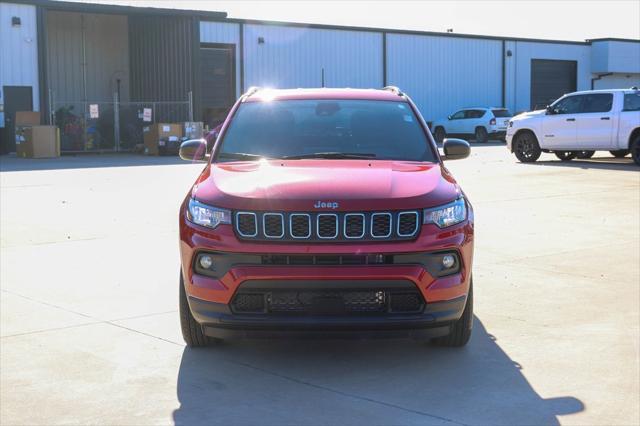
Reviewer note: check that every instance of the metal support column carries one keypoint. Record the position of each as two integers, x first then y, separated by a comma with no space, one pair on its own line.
116,121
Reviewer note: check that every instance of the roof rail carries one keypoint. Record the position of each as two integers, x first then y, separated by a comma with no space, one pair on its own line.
251,90
393,89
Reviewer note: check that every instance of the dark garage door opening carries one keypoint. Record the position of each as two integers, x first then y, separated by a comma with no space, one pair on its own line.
217,62
551,79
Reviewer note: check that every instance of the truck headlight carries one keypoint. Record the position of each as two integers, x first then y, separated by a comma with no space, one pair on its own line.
204,215
447,215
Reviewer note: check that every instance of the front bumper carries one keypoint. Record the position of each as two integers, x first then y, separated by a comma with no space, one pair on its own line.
218,321
444,297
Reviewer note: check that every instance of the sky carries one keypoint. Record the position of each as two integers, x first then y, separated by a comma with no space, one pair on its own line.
546,19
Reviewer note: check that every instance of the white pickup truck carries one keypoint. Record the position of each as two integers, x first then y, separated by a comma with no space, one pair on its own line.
578,124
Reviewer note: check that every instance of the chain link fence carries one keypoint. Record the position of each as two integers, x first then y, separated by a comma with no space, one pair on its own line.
112,126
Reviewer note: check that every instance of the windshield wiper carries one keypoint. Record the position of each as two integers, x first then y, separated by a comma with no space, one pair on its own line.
331,155
241,156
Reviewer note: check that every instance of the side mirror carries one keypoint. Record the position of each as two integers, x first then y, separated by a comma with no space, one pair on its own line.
456,149
550,110
448,117
193,150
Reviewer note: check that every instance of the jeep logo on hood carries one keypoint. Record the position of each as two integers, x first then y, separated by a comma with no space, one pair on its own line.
326,205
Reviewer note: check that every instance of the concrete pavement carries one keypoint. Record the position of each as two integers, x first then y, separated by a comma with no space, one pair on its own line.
90,335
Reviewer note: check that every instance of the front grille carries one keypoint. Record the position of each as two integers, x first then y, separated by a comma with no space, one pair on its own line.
273,224
407,223
328,302
354,225
247,224
248,303
381,225
327,227
300,225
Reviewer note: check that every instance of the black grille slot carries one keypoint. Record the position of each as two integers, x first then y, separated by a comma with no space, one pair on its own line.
326,302
273,225
327,226
407,223
406,302
354,225
247,224
329,301
301,260
327,259
300,225
381,225
248,303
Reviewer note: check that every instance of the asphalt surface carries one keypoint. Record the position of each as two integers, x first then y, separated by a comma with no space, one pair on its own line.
90,332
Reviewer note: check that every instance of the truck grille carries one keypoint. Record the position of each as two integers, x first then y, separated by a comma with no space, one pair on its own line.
327,227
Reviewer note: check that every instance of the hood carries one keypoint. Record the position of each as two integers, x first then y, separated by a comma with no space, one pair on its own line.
332,185
530,114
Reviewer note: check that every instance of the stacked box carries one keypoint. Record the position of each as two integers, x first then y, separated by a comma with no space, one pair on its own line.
162,138
193,130
38,142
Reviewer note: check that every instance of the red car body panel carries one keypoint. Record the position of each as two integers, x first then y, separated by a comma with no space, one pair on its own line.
295,185
360,185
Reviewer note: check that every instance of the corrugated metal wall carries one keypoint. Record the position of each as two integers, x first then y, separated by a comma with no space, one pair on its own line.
107,58
292,57
163,57
223,32
444,74
518,66
19,49
615,56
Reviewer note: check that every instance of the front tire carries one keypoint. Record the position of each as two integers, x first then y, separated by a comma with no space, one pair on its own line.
620,153
461,329
481,135
566,155
191,330
440,134
583,155
526,148
635,149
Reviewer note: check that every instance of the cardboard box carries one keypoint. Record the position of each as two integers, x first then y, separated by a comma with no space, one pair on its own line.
193,130
27,118
157,137
38,142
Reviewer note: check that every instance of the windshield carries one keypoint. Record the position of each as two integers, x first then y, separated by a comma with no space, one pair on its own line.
335,129
501,113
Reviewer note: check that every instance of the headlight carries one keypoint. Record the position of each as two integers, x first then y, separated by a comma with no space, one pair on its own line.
204,215
446,215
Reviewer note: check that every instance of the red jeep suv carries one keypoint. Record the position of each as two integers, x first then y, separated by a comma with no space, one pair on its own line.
326,211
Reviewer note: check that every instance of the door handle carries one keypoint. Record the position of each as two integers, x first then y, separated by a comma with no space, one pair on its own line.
571,119
604,118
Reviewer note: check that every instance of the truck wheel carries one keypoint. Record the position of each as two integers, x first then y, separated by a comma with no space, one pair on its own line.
566,155
461,329
619,153
635,149
481,135
440,135
585,154
526,148
191,330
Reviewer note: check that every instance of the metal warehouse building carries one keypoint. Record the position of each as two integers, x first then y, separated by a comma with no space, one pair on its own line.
59,58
